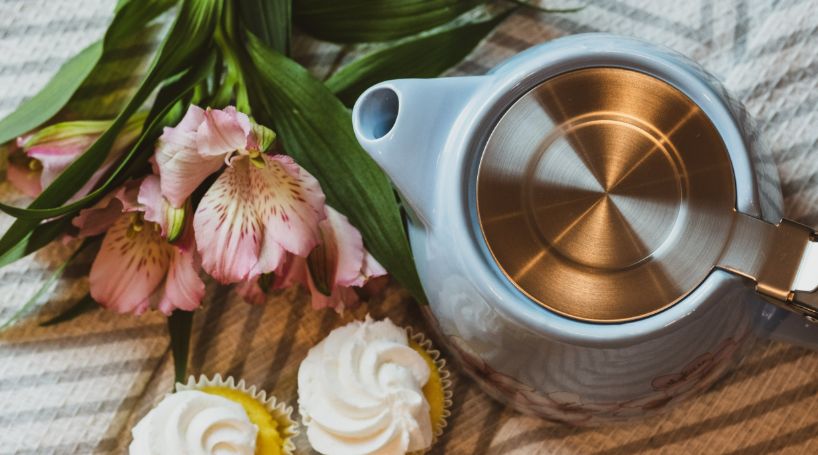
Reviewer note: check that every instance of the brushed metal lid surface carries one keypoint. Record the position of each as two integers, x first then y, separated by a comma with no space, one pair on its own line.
605,194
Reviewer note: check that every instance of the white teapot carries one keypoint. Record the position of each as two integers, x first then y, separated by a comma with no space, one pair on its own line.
596,225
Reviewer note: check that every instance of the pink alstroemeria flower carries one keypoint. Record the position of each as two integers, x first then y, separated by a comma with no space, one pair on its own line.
136,267
338,264
24,173
198,146
256,212
45,154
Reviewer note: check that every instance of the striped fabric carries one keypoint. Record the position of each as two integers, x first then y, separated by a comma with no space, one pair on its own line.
80,386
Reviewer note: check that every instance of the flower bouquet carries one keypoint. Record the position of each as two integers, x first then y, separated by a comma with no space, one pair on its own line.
228,159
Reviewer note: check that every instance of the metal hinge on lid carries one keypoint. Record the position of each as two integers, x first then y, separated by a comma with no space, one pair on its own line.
782,260
805,299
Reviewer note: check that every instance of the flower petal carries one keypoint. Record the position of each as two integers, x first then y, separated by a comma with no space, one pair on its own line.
97,219
152,203
57,156
184,133
340,299
22,177
251,217
372,268
182,171
222,132
341,259
290,206
228,232
180,165
251,292
293,271
129,267
184,288
337,233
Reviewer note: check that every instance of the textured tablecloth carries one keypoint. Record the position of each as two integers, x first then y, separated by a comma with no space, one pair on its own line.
80,386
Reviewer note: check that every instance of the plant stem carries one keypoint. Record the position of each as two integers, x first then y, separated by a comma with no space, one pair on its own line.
233,84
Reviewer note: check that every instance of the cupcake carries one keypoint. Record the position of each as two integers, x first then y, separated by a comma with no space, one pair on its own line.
372,388
215,417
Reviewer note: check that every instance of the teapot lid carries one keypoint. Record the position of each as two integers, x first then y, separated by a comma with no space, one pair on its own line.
605,194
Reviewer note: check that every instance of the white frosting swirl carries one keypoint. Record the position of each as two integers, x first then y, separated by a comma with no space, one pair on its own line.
360,392
195,423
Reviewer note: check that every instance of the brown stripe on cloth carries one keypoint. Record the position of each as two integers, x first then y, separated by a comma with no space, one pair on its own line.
127,413
251,323
65,411
285,345
723,420
491,425
78,373
781,442
752,369
83,340
106,445
72,271
539,434
215,306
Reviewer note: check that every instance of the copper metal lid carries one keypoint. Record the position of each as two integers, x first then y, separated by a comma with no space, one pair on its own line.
605,194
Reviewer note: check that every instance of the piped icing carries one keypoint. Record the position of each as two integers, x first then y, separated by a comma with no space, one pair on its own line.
195,423
360,392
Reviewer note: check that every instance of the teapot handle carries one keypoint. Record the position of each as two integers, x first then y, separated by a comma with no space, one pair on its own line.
784,270
800,325
782,260
795,292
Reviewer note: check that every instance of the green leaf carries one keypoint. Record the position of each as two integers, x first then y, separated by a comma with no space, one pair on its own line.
541,9
120,4
316,129
41,236
356,21
116,77
59,90
53,96
82,306
422,56
180,324
49,283
270,20
188,40
166,99
133,16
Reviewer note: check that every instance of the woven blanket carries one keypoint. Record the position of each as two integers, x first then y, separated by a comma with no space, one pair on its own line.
79,387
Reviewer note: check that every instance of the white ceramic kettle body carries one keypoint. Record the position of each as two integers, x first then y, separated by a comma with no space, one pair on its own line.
427,136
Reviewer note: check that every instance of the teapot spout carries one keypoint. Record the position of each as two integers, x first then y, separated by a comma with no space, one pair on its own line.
404,124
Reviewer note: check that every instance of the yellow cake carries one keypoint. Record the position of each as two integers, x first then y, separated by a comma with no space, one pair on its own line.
276,429
269,441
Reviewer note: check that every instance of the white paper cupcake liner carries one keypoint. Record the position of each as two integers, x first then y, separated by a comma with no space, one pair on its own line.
288,428
445,381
